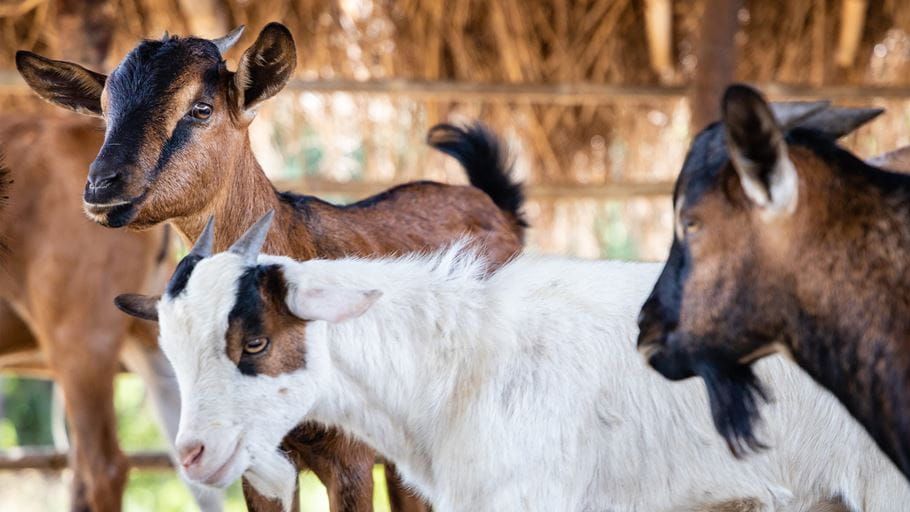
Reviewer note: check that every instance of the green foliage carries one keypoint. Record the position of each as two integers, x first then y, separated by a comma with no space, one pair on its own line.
26,412
615,240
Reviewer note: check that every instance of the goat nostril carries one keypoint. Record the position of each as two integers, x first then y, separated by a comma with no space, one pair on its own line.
191,454
102,181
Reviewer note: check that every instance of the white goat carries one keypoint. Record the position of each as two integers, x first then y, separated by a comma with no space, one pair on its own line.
518,391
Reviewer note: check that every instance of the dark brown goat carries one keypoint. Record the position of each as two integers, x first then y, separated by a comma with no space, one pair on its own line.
57,274
177,149
786,242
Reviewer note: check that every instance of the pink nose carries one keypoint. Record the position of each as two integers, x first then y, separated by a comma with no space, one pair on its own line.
190,453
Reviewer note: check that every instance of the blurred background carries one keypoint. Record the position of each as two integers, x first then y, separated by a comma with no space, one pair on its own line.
597,99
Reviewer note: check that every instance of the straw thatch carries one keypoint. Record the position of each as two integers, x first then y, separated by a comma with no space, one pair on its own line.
344,136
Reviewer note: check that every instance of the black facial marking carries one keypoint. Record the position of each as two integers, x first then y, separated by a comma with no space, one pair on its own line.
182,274
139,92
178,139
248,312
703,165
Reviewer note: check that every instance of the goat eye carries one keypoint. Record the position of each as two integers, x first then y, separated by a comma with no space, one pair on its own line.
201,111
691,226
256,345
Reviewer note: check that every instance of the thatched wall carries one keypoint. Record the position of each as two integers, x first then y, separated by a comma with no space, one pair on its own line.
609,140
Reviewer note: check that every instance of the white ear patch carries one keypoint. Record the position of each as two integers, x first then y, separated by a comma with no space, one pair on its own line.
782,192
330,304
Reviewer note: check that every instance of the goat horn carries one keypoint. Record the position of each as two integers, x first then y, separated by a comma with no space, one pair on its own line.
249,244
166,36
839,121
790,113
225,43
206,241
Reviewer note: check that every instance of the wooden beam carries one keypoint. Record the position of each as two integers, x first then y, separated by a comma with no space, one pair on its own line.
659,29
559,94
578,93
52,460
716,60
360,189
852,19
49,459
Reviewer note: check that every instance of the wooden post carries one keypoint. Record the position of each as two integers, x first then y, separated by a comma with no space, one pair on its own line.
659,25
85,29
853,17
716,60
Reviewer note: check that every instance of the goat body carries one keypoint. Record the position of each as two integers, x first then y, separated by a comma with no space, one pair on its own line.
166,160
786,242
58,273
521,391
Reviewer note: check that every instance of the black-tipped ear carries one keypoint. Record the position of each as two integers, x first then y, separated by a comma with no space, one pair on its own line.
266,66
835,122
66,84
139,306
758,151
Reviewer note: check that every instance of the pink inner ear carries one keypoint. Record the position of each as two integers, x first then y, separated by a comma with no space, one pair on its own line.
332,304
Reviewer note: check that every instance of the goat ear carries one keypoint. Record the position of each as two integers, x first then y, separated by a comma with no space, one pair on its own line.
758,151
265,67
897,160
139,306
333,305
66,84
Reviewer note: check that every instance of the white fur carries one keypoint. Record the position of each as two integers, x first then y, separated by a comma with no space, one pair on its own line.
523,391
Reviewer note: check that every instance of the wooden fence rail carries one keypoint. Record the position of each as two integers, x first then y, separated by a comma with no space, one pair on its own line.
53,460
568,93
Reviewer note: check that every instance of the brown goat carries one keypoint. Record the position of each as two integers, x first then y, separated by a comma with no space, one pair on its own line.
58,273
177,149
786,242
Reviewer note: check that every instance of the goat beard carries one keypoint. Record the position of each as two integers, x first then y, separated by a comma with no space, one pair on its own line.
735,395
274,476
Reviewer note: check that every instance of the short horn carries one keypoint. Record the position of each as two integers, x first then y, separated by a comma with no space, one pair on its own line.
206,241
836,122
166,36
789,113
249,244
225,43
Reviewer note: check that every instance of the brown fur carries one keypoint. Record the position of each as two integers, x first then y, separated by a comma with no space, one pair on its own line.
827,284
286,351
215,173
434,215
417,217
56,284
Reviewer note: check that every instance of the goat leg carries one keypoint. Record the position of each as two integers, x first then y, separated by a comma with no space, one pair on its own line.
401,498
99,467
